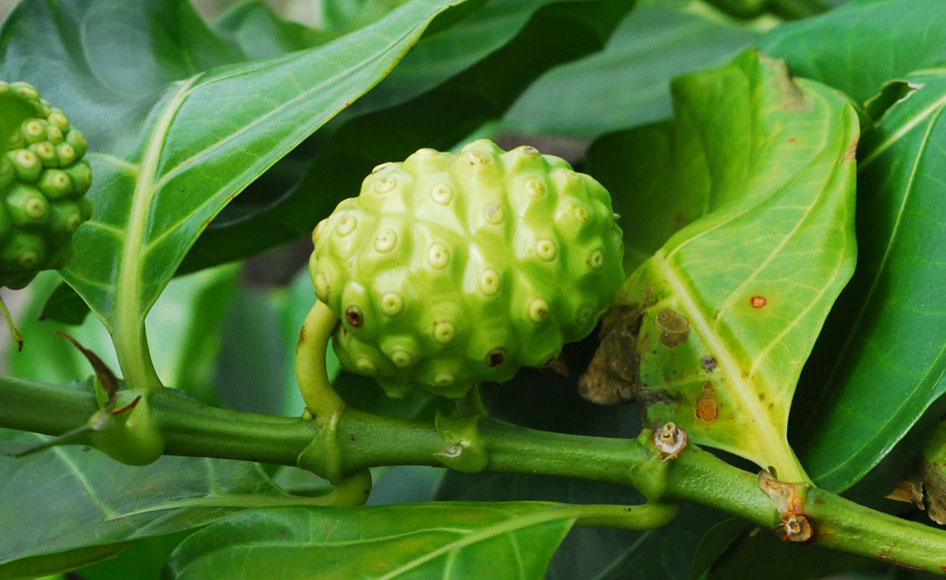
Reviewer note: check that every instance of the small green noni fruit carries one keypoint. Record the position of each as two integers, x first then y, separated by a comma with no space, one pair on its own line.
42,183
451,269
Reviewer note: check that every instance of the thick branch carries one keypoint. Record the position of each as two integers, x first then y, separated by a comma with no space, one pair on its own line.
193,429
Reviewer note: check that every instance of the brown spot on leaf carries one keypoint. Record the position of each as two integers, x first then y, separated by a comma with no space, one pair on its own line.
793,139
613,370
708,363
793,98
675,329
851,152
758,301
707,406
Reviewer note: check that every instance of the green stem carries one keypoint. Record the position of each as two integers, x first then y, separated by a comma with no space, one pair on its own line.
317,391
638,517
134,357
193,429
352,488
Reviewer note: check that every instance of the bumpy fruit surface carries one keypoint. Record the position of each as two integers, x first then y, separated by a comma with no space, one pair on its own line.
42,183
451,269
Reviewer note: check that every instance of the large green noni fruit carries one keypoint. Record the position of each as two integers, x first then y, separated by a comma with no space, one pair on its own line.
451,269
42,183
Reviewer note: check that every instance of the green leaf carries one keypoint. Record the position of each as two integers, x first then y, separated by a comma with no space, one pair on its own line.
65,306
175,133
886,362
714,543
879,365
443,540
726,312
184,334
256,367
628,83
594,552
82,506
861,45
261,33
141,560
493,55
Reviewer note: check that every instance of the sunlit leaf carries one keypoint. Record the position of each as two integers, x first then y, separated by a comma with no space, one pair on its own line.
724,315
879,365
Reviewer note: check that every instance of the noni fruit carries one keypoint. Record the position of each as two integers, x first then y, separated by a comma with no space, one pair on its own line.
451,269
43,180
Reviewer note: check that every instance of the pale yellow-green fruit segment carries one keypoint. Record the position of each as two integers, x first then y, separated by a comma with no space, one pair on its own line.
452,269
43,181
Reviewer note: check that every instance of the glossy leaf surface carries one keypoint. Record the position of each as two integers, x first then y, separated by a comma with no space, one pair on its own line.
443,540
862,44
82,506
177,129
729,307
881,362
515,41
628,82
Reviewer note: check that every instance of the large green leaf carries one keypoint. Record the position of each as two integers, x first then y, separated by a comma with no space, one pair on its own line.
523,38
594,552
628,83
177,132
863,44
880,362
886,360
725,313
442,540
82,506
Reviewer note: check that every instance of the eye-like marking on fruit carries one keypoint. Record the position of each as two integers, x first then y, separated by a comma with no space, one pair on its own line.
43,181
473,265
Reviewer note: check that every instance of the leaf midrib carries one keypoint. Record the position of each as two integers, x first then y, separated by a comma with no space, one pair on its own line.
129,316
767,438
517,522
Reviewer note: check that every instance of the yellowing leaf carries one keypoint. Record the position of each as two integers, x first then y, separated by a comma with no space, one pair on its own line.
721,319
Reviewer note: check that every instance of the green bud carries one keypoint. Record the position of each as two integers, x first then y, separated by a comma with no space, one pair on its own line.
33,130
22,252
67,154
46,152
78,142
81,174
56,184
59,119
27,206
65,219
26,164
